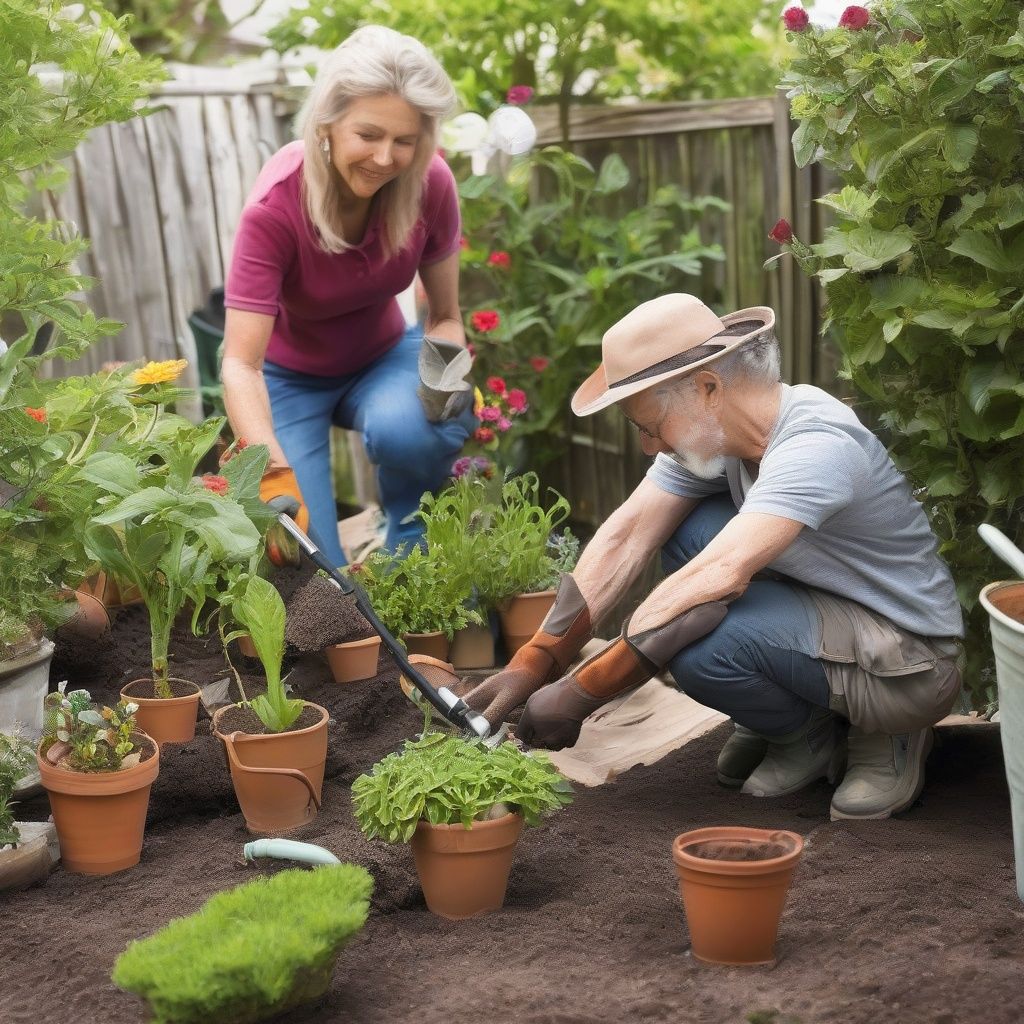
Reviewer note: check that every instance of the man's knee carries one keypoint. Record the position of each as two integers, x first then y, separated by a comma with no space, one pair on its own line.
697,531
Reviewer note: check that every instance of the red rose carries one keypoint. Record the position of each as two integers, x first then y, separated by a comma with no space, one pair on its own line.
39,415
540,363
496,385
485,320
499,259
795,19
519,94
217,484
517,400
855,18
782,232
484,435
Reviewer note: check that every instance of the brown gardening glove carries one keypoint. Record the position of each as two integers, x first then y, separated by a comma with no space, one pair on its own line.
544,657
280,490
554,715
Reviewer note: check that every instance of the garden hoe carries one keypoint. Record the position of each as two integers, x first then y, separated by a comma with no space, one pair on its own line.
452,708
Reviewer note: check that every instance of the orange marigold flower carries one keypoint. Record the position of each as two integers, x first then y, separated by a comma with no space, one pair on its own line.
39,415
217,484
160,373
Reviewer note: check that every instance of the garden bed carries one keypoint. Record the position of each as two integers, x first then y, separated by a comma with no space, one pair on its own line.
912,920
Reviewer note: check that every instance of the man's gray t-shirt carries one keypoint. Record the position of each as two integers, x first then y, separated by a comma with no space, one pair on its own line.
868,540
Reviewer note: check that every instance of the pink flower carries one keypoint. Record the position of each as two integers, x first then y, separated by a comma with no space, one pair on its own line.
484,435
485,320
782,232
516,399
504,423
519,94
217,484
483,466
460,467
471,349
490,414
496,385
795,19
39,415
855,18
499,258
540,363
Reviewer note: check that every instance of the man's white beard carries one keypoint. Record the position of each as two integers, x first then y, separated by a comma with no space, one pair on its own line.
707,469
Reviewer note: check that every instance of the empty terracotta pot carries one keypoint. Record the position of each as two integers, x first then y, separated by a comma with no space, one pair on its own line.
100,816
433,645
521,617
733,882
165,719
472,647
463,871
247,648
355,660
90,619
278,777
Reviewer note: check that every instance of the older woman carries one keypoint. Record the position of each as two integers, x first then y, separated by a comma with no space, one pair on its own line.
336,226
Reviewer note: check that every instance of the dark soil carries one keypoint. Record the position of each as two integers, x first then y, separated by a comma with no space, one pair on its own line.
244,720
320,615
147,688
741,849
913,920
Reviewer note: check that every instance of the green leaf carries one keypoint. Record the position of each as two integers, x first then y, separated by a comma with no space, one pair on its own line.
959,145
870,248
891,329
985,249
613,175
805,144
142,503
850,203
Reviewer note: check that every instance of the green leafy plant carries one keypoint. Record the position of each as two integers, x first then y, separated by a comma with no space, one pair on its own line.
422,591
16,758
252,952
447,780
257,606
93,738
918,111
575,252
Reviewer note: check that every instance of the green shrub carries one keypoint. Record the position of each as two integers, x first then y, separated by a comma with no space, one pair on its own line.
251,952
447,779
920,114
15,759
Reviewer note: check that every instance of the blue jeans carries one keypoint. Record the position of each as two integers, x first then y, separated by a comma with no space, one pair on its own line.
380,401
759,666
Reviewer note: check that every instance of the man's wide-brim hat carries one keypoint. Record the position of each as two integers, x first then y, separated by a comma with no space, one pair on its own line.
667,337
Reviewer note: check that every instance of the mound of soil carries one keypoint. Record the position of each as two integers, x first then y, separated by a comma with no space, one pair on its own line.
913,920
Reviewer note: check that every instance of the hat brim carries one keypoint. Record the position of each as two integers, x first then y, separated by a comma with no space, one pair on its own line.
594,394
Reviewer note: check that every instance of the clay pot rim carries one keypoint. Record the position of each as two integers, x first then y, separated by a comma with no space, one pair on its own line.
503,605
351,645
989,591
184,699
482,825
56,772
242,737
734,867
423,636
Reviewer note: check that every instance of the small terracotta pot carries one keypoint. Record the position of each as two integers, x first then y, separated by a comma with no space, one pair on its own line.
463,871
472,647
521,617
165,719
247,648
278,777
106,589
733,906
433,645
355,660
90,619
100,816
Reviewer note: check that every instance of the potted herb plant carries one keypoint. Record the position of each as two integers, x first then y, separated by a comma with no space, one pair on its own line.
97,769
462,806
24,850
173,535
276,746
252,952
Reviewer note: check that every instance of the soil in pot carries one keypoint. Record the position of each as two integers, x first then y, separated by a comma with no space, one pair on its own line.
166,719
320,615
354,661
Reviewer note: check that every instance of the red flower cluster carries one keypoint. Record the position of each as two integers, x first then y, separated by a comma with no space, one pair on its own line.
484,320
496,385
782,232
540,363
483,434
855,18
516,399
499,259
217,484
39,415
517,95
795,19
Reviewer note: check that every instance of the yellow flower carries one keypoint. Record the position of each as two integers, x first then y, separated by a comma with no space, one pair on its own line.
160,373
478,401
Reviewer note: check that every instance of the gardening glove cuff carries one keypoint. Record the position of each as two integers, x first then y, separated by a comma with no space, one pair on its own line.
554,715
544,657
280,490
444,390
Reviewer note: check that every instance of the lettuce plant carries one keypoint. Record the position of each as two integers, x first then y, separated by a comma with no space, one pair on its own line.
447,780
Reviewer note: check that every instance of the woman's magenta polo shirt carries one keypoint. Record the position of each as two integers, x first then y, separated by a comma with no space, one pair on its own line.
334,312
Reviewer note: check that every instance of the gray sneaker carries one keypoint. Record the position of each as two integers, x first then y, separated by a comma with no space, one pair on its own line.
742,753
795,761
884,774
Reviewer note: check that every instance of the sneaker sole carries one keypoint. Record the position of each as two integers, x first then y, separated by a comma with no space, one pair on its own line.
902,803
729,783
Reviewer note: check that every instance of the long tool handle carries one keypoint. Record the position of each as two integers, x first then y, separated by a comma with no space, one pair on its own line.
1003,547
453,709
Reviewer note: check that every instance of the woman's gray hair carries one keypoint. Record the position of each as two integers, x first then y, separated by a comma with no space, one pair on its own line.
373,61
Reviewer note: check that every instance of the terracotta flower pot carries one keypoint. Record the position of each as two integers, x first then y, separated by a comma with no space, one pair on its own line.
90,619
100,816
165,719
463,871
472,647
278,777
107,590
247,648
521,617
355,660
433,645
733,882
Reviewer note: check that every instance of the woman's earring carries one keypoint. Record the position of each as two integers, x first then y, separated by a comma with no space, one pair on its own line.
325,146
